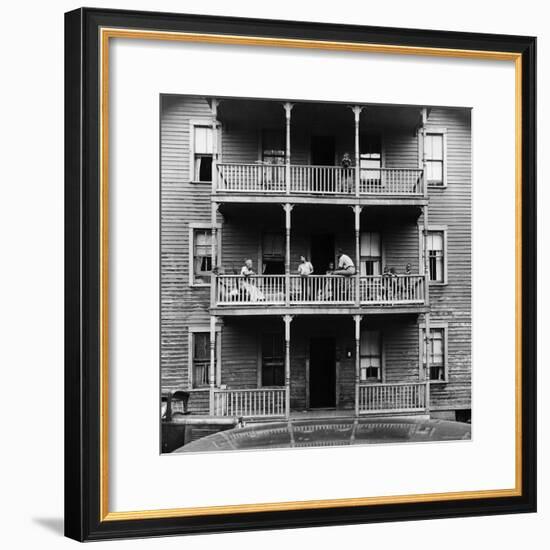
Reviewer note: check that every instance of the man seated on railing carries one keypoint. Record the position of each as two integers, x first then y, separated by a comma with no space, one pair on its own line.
249,291
345,265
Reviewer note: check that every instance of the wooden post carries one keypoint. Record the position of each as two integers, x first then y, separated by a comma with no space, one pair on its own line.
212,370
428,359
287,319
426,263
357,211
357,114
214,108
424,115
427,332
357,319
214,253
288,209
288,109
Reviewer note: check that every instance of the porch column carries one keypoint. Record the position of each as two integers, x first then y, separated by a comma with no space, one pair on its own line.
428,359
214,109
427,332
425,252
212,369
357,319
357,211
357,114
214,252
424,117
288,209
288,109
287,319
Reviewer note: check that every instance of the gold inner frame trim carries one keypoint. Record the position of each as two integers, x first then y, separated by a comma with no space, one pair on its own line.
105,35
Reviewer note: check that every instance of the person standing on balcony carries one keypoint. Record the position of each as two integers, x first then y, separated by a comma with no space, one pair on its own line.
305,269
346,185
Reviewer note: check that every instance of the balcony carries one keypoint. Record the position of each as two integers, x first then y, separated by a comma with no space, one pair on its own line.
240,180
317,292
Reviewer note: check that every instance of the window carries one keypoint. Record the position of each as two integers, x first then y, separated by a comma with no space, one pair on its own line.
436,255
437,353
201,359
273,146
371,356
202,153
202,256
435,151
273,363
371,254
273,254
370,157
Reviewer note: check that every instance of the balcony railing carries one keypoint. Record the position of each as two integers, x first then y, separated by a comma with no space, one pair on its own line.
264,290
399,397
262,402
318,180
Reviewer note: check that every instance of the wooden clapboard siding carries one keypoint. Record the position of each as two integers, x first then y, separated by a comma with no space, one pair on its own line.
400,149
240,347
182,203
452,303
400,246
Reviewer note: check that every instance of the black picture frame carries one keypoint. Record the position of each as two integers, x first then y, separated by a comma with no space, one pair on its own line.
83,278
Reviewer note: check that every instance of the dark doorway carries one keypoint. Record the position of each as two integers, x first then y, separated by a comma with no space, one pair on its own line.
322,373
322,253
322,150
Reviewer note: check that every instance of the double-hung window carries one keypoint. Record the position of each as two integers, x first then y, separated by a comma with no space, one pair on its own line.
201,359
370,158
436,347
435,158
273,363
202,256
371,356
273,146
436,256
371,254
202,153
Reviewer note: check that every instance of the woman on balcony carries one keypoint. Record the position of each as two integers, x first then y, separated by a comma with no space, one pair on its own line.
249,291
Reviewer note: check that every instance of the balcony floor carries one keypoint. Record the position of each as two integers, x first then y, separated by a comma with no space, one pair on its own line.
318,310
311,198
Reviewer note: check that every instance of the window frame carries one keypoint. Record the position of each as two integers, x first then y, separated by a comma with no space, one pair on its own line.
261,336
262,145
382,378
362,137
192,228
204,122
192,330
381,240
437,130
439,325
435,229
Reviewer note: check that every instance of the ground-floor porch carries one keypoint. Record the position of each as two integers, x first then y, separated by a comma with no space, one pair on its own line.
281,366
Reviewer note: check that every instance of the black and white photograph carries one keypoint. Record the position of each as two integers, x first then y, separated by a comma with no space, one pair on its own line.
315,273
